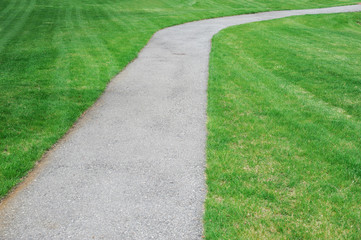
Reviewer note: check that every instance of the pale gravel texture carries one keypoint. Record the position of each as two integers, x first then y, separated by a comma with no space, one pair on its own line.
133,167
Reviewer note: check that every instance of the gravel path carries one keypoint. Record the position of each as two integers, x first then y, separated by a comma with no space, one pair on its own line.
133,166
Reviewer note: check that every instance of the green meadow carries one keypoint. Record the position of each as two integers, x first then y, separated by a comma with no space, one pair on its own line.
284,140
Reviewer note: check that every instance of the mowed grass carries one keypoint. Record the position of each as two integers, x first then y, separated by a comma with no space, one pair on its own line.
56,58
284,141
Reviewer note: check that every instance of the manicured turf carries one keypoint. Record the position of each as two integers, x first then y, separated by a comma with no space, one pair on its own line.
283,151
56,58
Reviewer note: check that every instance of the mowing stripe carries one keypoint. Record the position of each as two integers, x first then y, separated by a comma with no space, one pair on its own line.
23,12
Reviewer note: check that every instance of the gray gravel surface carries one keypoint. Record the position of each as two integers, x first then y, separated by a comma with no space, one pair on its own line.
133,166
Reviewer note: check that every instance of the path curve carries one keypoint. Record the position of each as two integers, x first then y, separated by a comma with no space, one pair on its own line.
133,166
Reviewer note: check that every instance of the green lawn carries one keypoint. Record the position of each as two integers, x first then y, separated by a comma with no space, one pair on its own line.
56,58
284,143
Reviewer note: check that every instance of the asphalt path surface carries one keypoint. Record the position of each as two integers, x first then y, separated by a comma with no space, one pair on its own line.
133,166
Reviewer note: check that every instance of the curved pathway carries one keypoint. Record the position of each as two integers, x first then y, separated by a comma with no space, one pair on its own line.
133,166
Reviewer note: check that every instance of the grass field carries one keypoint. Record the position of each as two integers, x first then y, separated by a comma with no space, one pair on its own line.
283,151
56,58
